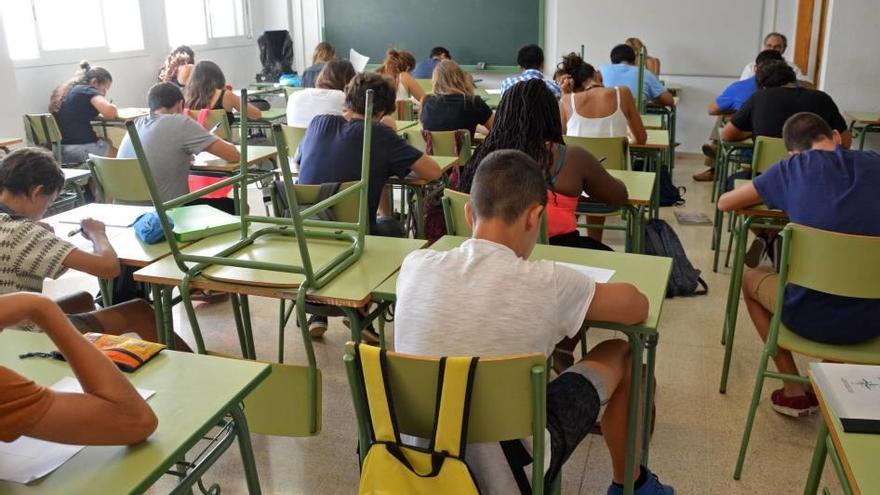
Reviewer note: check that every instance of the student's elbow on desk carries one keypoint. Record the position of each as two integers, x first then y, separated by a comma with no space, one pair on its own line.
618,303
426,168
666,99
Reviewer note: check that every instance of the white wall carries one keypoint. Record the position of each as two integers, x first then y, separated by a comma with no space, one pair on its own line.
10,117
133,75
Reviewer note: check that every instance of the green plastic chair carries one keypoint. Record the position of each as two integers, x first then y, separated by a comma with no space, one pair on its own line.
294,136
119,180
413,137
298,225
214,117
41,129
443,144
838,264
456,224
508,400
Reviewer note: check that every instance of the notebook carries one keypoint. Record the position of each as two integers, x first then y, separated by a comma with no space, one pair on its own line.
852,391
601,275
109,215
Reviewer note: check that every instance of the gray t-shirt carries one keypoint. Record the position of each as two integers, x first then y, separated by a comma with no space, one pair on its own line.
482,299
169,141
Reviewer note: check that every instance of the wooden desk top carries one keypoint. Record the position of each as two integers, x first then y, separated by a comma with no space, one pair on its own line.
192,391
126,113
352,288
9,141
403,125
639,185
658,139
864,117
256,154
857,451
269,116
649,273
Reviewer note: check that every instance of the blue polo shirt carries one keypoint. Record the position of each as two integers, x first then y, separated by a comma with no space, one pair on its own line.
734,96
628,75
425,68
836,191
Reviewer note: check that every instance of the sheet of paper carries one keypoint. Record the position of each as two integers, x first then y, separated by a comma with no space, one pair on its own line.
28,459
111,216
204,158
852,390
357,60
493,91
601,275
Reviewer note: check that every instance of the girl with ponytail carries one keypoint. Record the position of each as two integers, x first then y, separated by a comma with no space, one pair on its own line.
397,66
75,104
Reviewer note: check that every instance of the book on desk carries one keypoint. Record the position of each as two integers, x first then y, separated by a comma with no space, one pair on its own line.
852,391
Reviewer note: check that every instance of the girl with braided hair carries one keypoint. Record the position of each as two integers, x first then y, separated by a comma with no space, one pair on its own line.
528,120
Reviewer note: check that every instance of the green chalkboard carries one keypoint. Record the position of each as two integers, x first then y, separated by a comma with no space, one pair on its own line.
474,31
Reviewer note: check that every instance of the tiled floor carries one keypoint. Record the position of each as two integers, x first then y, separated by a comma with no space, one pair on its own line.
697,431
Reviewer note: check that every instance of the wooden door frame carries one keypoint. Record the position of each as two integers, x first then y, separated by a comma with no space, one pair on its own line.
804,35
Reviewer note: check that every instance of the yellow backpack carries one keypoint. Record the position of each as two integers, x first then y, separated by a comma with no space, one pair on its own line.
391,467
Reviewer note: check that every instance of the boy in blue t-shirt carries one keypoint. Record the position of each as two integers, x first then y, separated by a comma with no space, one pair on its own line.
622,71
826,187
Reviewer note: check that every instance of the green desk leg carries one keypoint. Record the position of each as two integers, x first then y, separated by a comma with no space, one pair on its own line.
729,326
838,466
637,347
247,453
106,285
818,462
651,346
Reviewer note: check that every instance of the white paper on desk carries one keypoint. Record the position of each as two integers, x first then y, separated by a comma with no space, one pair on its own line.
109,215
601,275
28,459
357,60
206,159
493,91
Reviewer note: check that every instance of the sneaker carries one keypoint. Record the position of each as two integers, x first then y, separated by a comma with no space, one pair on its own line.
756,251
317,326
707,175
651,486
796,407
814,401
710,150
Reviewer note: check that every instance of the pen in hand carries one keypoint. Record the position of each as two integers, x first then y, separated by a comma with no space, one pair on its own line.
74,232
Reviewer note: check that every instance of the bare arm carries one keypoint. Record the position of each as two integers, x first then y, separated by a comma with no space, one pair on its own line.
597,182
742,197
101,263
666,99
846,139
426,168
232,100
731,133
618,303
713,109
633,119
104,107
184,72
414,88
488,124
109,411
224,150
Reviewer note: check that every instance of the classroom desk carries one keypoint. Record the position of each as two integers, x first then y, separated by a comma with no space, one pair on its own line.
863,123
657,151
652,120
640,188
403,125
416,190
650,274
256,154
669,115
194,394
727,150
853,455
124,114
268,117
76,178
491,99
6,142
746,218
351,289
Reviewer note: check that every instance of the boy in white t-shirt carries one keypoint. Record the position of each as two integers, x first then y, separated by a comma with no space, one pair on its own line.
484,298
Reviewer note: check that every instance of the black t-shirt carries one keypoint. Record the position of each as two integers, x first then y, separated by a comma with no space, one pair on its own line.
331,152
453,112
766,111
76,115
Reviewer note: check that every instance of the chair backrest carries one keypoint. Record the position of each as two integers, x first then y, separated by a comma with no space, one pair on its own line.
768,151
293,136
830,262
41,129
344,211
119,179
212,118
612,149
443,144
413,136
456,223
507,401
405,110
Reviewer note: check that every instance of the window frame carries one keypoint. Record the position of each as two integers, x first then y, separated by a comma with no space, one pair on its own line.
46,58
220,42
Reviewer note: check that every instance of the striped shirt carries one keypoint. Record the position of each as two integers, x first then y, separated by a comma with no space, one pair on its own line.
28,254
531,74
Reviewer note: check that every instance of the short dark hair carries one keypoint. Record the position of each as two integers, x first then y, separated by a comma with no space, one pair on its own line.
506,184
623,53
803,129
530,57
774,33
774,73
384,93
439,50
766,56
27,168
163,95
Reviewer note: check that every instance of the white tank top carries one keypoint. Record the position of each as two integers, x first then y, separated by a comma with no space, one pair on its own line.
402,92
614,125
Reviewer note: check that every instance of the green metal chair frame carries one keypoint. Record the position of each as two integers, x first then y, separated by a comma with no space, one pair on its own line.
297,225
453,215
41,129
640,97
814,259
119,179
502,406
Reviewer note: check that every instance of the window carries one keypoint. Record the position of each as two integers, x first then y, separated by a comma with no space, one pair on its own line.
36,26
194,22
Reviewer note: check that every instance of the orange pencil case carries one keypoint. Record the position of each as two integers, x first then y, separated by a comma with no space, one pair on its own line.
129,354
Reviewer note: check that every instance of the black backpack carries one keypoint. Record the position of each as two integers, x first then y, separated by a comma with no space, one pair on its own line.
670,195
685,280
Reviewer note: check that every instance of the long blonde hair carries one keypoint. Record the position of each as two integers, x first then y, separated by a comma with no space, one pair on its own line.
324,52
449,79
636,44
397,62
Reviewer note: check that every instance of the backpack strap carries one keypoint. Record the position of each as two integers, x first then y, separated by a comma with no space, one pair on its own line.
454,387
374,371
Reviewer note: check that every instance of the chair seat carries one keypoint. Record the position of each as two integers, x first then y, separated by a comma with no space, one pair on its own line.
864,353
